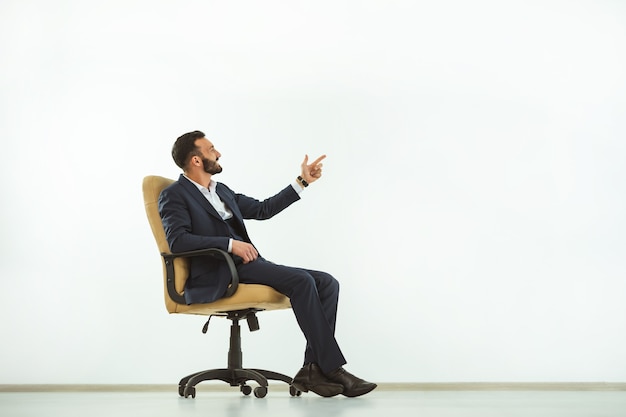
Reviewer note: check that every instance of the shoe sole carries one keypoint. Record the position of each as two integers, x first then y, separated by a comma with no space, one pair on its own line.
359,393
321,393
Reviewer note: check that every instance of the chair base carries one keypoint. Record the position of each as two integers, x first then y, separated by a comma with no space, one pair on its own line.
235,375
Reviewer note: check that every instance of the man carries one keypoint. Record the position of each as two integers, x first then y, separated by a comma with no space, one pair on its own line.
199,213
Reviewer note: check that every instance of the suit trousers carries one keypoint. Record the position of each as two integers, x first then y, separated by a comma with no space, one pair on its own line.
314,296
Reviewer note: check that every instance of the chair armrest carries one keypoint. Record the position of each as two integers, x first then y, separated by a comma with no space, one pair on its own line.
217,253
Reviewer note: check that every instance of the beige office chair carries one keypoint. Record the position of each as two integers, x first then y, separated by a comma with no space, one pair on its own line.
241,301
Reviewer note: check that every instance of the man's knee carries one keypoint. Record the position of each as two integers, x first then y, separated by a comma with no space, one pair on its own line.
328,282
304,279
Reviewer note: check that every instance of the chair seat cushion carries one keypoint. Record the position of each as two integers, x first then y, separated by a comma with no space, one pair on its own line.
257,296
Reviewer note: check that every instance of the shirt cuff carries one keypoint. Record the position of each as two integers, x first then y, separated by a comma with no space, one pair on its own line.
297,187
230,245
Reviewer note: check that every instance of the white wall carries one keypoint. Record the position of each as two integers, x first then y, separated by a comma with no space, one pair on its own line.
472,203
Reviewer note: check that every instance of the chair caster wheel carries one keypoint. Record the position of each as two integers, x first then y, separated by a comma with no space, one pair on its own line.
260,392
294,392
190,391
245,389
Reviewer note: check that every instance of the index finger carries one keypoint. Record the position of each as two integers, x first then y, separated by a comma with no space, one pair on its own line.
317,161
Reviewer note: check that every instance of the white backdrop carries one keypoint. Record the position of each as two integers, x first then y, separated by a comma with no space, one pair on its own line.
472,203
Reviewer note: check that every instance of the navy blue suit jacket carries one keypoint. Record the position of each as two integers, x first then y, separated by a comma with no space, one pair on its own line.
191,223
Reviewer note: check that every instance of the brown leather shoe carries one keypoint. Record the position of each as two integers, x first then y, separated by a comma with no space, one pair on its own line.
311,378
352,386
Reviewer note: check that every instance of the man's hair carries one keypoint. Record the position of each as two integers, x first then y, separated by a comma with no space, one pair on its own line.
184,148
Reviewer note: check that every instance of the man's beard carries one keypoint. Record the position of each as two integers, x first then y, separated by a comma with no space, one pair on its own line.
211,167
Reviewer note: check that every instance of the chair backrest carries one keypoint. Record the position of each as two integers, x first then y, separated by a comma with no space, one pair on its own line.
152,187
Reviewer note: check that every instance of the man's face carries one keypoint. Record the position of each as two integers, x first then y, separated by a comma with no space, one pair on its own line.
210,156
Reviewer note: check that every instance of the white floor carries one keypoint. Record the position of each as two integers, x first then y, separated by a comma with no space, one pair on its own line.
278,403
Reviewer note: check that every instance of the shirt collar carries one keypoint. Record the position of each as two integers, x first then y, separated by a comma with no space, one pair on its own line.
211,187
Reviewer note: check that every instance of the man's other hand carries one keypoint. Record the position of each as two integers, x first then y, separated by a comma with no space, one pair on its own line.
245,251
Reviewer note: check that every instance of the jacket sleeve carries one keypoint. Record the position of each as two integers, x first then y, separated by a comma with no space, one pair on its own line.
177,222
262,210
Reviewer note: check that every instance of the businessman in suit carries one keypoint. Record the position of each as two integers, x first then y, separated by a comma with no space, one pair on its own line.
199,213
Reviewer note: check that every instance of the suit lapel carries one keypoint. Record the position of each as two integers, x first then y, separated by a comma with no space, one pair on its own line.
197,195
228,200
